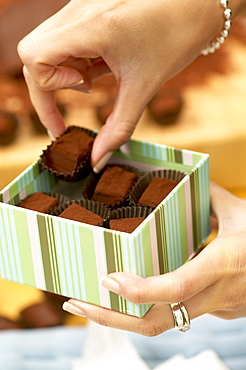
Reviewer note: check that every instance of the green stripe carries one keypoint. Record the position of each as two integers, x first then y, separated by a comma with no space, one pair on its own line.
169,164
121,268
183,223
111,266
117,264
6,270
10,255
178,155
89,264
58,225
53,256
148,260
79,263
24,245
193,206
159,242
13,190
198,208
68,245
197,157
44,243
164,245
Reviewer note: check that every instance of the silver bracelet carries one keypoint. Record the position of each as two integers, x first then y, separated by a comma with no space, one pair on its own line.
223,34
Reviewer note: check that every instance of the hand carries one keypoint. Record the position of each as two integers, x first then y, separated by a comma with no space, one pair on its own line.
213,282
143,43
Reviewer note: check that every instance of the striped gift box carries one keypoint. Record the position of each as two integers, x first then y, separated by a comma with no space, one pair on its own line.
69,258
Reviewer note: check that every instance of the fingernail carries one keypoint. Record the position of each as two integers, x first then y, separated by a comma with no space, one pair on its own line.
52,137
125,148
81,81
73,309
103,161
110,284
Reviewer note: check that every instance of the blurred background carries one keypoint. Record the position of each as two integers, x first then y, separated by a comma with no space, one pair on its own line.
202,109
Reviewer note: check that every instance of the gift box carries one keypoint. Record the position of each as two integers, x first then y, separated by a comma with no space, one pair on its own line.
69,258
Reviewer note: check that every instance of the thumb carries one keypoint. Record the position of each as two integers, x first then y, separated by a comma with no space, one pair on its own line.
229,209
128,108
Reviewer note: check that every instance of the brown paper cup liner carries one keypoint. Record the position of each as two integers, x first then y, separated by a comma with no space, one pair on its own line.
61,197
127,212
83,168
89,189
144,181
95,207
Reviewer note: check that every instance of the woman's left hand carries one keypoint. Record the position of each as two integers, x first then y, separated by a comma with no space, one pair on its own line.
213,282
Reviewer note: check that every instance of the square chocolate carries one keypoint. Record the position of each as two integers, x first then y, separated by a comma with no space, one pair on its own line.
156,191
127,225
68,151
39,202
78,213
114,185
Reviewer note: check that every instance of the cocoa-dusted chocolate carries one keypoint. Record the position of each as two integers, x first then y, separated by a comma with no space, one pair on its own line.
78,213
39,202
8,128
8,324
114,185
68,151
156,191
166,105
127,225
56,300
41,315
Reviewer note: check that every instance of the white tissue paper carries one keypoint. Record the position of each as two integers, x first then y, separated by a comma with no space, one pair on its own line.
110,349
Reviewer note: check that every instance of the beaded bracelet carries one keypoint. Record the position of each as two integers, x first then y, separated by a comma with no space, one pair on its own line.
223,34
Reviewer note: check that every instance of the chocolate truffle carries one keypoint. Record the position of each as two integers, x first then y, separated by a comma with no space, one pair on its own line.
39,202
78,213
156,191
41,315
6,324
114,185
56,300
103,111
8,128
127,225
166,105
68,151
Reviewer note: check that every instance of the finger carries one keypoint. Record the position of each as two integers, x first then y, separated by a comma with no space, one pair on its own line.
44,103
230,314
157,320
179,285
98,69
92,73
44,55
130,103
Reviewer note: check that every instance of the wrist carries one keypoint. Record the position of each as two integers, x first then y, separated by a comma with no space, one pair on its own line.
238,8
232,9
221,38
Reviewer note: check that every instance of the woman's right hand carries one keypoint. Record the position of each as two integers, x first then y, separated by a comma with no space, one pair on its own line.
143,43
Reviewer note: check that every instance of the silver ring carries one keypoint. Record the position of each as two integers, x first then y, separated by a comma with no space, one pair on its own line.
180,316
